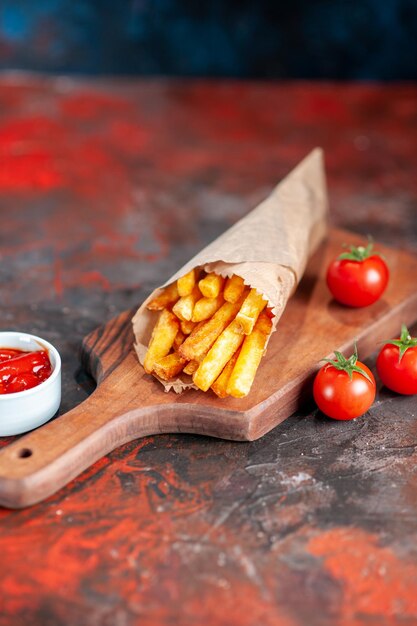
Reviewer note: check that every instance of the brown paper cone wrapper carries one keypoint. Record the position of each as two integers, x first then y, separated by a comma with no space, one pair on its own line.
269,248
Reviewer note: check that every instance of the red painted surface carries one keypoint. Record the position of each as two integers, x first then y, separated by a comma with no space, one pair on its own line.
105,188
375,580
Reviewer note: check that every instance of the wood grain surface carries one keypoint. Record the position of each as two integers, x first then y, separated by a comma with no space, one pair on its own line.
129,404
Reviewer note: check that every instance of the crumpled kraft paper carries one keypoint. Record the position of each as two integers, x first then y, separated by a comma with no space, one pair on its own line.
269,248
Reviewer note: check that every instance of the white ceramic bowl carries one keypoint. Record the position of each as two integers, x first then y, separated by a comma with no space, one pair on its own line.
25,410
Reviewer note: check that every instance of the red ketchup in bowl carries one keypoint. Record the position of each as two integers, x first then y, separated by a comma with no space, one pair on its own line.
21,370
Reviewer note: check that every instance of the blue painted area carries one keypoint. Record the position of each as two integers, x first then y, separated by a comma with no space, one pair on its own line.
342,39
14,24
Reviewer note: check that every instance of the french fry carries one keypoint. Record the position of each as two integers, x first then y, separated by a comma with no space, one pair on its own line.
211,285
250,355
218,339
169,366
167,297
162,339
233,288
179,338
221,351
187,327
202,338
253,304
220,384
191,367
183,308
185,284
206,308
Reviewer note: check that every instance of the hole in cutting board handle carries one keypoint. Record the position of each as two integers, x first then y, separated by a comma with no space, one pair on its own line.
24,453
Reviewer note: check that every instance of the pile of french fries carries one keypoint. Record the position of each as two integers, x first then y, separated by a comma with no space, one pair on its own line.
211,328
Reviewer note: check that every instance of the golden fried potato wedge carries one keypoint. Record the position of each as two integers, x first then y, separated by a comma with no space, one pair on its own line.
184,307
191,367
220,384
187,327
206,308
202,338
253,304
185,284
169,366
162,339
250,355
233,288
179,338
221,351
166,298
218,330
211,285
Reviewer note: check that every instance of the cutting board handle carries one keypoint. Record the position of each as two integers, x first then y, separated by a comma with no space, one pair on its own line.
126,405
38,464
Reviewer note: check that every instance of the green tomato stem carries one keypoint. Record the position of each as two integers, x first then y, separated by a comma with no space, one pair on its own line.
349,366
359,253
405,342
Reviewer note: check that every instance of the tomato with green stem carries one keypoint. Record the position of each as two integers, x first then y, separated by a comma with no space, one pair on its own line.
358,277
344,388
397,363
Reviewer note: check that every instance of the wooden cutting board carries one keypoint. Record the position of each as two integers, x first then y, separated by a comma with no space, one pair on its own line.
128,404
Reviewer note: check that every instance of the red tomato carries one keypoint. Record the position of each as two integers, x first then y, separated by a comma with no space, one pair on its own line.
358,277
344,388
397,363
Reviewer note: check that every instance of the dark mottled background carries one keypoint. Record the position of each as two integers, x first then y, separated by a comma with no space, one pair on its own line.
341,39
